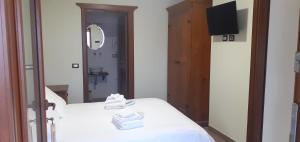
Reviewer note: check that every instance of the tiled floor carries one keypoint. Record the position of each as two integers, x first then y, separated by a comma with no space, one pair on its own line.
216,136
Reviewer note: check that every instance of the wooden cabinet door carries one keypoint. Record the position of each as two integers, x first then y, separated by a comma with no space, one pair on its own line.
189,60
200,66
178,58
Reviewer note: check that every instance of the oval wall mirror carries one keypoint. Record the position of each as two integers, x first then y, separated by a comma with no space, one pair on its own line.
95,37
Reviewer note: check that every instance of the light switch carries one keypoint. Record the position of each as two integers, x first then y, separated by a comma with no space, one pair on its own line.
75,65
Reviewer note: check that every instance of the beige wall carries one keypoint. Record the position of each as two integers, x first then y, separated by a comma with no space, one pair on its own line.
283,33
230,71
62,45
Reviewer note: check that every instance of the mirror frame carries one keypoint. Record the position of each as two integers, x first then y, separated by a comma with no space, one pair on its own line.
90,35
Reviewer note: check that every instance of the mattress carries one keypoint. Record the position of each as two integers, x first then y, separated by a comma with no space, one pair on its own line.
162,123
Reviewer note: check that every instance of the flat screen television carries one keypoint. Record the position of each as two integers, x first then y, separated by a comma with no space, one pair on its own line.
222,19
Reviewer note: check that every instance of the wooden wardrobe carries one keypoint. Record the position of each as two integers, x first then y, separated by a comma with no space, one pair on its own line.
189,46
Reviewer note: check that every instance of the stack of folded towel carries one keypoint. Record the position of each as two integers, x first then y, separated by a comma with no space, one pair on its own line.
128,120
115,101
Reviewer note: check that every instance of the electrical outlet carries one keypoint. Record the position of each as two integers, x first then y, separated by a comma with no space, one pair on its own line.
225,38
231,37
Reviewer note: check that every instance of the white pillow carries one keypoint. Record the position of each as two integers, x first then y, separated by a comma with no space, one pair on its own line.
57,113
60,103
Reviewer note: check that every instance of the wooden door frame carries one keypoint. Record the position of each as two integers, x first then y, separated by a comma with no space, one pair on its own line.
13,85
297,91
10,110
129,10
261,12
35,7
40,63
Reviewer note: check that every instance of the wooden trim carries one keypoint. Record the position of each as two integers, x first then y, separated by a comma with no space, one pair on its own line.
105,7
15,79
223,136
35,50
129,10
23,98
299,33
7,119
297,91
13,113
202,123
40,64
84,58
130,53
258,70
297,79
298,127
38,61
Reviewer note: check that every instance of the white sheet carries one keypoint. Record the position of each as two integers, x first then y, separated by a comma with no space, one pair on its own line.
163,123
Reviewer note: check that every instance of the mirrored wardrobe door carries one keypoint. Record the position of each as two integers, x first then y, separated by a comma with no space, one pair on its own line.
35,116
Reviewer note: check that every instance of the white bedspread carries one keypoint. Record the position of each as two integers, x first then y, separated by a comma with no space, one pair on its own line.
163,123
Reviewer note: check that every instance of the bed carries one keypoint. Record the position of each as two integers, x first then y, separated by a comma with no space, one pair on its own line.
90,122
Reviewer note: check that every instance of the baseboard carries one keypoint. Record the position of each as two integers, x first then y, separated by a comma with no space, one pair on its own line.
202,123
228,139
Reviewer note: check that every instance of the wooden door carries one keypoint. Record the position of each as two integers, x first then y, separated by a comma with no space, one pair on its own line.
9,115
33,73
21,85
200,66
178,56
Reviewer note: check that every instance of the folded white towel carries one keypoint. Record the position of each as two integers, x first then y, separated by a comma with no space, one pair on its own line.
115,98
115,101
128,120
114,106
128,125
128,116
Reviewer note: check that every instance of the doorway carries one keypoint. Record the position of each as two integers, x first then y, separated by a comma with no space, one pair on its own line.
107,64
107,43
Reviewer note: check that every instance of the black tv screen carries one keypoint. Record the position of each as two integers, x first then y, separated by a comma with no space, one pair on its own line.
222,19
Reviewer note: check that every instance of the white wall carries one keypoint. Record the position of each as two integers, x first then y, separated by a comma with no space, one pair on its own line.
283,33
62,45
230,72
